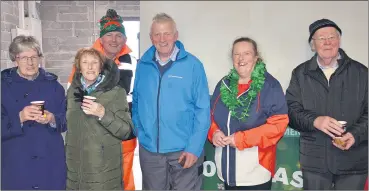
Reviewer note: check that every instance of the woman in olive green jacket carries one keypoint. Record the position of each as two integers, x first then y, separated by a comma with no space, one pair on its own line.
97,127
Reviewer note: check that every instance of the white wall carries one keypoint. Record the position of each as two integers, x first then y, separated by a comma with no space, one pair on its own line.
132,29
208,28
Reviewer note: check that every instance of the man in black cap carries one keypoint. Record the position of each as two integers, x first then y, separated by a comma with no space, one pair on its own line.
328,104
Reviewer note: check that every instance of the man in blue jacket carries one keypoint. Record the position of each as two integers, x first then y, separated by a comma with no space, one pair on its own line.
170,111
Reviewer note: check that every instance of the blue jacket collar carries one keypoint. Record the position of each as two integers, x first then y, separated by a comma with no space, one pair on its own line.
11,74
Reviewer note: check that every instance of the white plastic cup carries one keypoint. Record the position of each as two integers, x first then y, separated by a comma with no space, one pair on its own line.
90,98
343,123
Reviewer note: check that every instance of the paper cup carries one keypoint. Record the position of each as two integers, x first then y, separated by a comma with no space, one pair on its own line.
39,104
90,98
338,141
343,123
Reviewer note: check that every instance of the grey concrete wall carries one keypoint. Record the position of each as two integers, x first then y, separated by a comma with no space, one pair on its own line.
9,20
68,26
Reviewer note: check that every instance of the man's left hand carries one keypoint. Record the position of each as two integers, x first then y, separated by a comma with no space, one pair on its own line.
348,139
189,158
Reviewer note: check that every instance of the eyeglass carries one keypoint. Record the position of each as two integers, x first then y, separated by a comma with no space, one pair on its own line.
24,59
323,39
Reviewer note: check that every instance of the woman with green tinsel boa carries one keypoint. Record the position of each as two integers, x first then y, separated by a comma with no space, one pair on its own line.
249,117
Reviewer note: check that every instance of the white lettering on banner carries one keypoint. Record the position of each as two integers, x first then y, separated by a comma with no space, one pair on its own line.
291,133
297,176
220,186
281,176
209,168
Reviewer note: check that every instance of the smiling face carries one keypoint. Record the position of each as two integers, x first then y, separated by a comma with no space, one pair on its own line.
244,58
163,36
326,42
90,67
113,43
28,63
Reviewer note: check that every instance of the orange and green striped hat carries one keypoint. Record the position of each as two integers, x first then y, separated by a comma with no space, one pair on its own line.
111,22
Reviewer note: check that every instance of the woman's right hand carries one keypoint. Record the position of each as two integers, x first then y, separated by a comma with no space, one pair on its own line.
218,137
30,112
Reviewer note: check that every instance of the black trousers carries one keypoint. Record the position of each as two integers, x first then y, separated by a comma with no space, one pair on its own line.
329,181
264,186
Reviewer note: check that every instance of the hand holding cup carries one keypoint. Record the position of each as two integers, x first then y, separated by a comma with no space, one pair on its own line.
40,105
90,107
46,118
89,98
32,112
338,141
329,126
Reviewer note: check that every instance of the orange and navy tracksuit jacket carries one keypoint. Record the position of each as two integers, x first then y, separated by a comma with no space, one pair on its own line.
127,66
253,161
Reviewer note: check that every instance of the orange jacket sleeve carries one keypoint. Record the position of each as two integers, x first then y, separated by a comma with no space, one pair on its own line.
213,128
70,79
263,136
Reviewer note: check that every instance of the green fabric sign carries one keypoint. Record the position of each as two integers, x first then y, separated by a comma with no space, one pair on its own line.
287,176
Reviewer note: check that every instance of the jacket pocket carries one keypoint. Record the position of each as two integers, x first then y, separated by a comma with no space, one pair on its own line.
312,150
355,159
350,166
312,156
184,120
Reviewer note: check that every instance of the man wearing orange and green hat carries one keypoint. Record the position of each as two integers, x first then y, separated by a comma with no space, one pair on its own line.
112,43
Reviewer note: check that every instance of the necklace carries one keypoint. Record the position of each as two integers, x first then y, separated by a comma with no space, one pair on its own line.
229,95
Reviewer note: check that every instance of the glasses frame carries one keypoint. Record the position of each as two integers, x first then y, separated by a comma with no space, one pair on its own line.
24,59
331,38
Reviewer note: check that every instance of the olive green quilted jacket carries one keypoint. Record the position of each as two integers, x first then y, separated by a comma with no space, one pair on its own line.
93,146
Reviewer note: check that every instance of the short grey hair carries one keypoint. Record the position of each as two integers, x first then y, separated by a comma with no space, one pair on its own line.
23,43
163,17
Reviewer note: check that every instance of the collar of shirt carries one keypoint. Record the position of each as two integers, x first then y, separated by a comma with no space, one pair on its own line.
172,57
335,65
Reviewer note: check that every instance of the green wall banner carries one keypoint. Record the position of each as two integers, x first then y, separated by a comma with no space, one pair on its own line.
287,175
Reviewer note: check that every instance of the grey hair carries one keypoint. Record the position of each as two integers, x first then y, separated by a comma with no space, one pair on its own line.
312,47
163,17
23,43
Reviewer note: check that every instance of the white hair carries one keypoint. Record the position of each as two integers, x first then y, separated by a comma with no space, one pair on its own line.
312,46
23,43
162,18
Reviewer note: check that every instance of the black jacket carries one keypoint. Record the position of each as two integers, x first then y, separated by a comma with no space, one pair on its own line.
126,75
126,80
345,98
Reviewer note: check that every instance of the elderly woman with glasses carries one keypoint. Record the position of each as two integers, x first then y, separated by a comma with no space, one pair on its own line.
32,147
